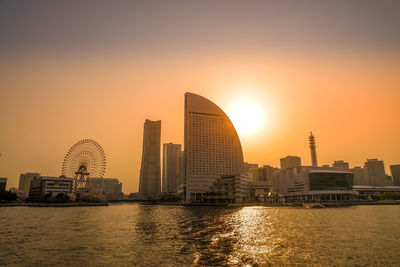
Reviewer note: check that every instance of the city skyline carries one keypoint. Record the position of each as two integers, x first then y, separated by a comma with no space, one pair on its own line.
334,73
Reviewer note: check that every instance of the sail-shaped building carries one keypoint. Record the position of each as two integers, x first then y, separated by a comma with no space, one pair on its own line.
212,147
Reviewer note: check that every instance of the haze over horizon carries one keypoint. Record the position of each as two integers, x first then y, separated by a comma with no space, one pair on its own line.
93,69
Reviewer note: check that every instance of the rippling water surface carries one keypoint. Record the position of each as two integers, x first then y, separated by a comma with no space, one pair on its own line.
132,234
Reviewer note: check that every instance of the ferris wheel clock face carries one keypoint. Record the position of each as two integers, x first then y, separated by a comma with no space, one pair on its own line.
86,156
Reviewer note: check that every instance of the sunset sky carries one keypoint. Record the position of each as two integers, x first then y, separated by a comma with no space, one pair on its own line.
71,70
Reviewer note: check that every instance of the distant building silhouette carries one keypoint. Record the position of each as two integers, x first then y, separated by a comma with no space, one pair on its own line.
248,167
212,148
150,171
359,176
290,162
375,172
171,173
25,182
3,183
340,164
313,150
110,188
265,174
395,171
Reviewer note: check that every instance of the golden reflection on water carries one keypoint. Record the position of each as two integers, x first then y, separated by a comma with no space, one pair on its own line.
139,235
252,228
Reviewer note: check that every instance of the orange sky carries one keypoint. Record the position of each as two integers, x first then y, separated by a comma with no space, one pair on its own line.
347,91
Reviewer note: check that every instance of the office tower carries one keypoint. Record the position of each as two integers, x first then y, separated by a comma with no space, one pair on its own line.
375,172
212,146
359,176
340,164
313,150
290,162
395,170
25,182
171,168
150,171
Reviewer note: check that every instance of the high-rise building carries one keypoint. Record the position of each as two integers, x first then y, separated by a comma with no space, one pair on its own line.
340,164
171,176
375,172
25,182
395,170
150,171
290,162
212,146
359,176
313,150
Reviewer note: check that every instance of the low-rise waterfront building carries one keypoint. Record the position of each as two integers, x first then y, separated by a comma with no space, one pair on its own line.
228,189
110,188
314,184
42,186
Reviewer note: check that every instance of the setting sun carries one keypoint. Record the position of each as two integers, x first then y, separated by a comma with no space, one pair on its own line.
247,117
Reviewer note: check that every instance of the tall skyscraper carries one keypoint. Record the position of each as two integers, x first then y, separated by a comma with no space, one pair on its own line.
212,146
340,164
25,182
290,162
313,150
150,171
375,172
171,176
395,170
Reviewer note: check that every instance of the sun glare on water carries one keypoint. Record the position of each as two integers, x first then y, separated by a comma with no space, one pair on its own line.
247,117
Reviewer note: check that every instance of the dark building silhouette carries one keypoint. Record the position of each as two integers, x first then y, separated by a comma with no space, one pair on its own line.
150,171
3,183
395,170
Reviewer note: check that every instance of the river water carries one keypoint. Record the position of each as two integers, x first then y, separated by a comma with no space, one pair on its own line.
146,235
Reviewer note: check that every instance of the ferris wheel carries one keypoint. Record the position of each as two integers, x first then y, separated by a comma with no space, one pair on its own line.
85,158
